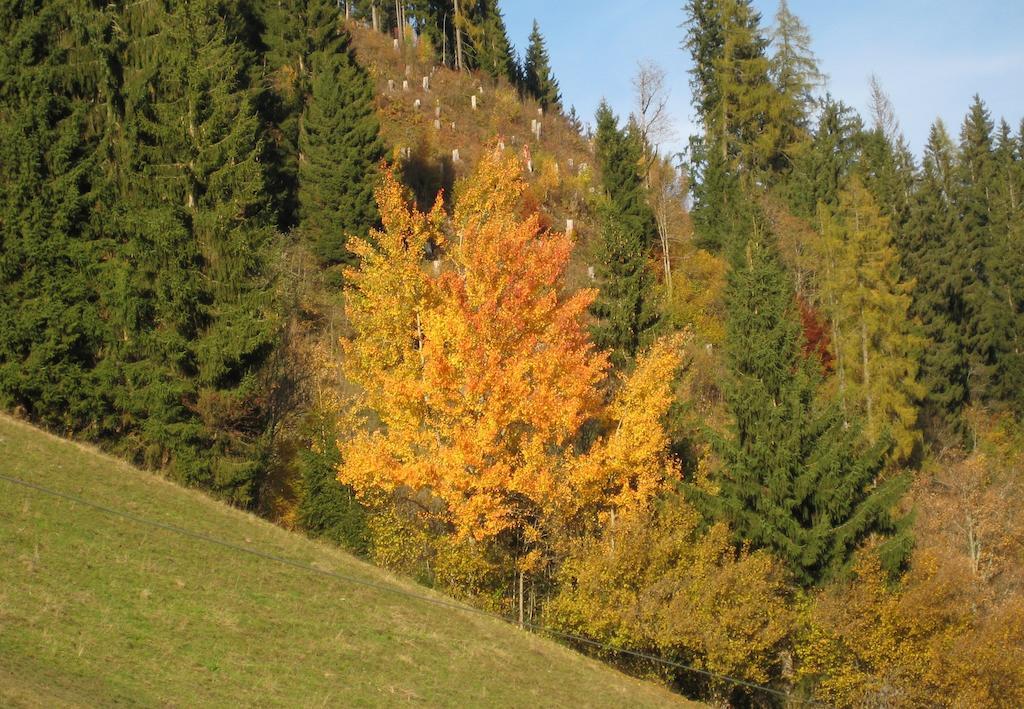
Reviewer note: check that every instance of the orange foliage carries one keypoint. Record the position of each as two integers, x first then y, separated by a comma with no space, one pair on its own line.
482,376
625,469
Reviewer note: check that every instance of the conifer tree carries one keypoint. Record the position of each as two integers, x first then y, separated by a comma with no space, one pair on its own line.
492,51
793,477
992,315
626,316
197,319
340,152
717,197
877,349
538,78
735,100
825,165
730,81
795,73
931,259
53,124
886,163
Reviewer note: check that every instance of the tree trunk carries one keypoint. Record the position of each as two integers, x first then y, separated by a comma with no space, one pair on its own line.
867,371
662,222
458,37
375,17
520,594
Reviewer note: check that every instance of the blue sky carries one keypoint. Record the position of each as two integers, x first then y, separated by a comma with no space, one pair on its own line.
931,56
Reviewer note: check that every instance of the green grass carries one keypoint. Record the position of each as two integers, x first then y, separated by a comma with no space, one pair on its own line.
100,610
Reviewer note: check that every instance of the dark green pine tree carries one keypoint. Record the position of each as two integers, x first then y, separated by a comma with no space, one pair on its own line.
1008,262
705,41
886,167
991,305
739,108
795,74
538,78
733,96
340,152
794,478
492,51
626,316
326,508
718,204
930,256
620,153
54,97
823,168
284,77
194,290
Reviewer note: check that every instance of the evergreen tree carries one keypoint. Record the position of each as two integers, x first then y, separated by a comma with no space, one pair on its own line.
1008,261
621,154
735,102
825,165
492,51
992,316
626,316
931,260
54,97
886,165
732,91
793,479
538,78
719,206
326,508
284,74
195,318
341,149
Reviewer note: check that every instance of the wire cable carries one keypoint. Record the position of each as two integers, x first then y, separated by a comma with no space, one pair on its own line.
444,603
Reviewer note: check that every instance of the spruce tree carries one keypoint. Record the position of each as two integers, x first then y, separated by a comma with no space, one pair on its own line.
54,96
283,73
340,152
719,205
492,51
620,154
1007,200
823,168
735,100
794,478
625,313
992,316
539,81
886,164
931,258
730,82
196,315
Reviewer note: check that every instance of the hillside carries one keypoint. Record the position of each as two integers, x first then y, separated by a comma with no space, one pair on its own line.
430,115
99,610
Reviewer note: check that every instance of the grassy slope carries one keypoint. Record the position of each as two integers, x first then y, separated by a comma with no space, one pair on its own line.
99,610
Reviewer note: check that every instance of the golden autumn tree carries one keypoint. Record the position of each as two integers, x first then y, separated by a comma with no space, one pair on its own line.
659,583
868,304
478,380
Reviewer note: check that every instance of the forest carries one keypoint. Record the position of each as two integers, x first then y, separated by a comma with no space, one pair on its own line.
754,409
